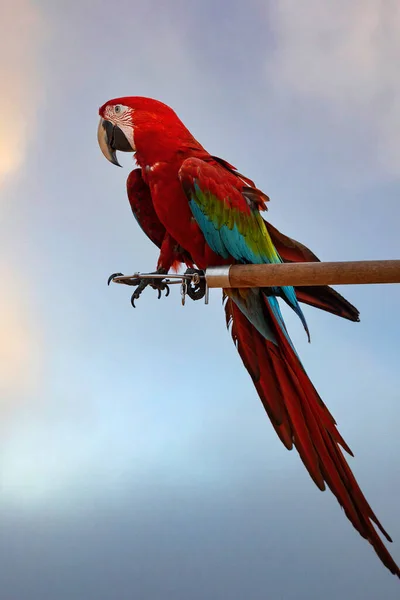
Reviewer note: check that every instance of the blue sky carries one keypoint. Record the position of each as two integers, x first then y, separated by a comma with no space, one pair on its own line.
136,459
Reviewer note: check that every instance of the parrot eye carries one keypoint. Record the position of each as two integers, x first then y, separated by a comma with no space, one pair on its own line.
118,109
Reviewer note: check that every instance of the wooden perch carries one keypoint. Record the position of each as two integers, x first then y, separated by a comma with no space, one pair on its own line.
304,274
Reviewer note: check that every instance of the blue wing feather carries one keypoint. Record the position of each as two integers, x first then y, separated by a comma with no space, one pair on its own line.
221,221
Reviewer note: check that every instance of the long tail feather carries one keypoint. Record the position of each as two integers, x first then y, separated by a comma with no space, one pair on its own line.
298,414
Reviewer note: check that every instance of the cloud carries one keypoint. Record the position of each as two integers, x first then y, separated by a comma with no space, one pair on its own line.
22,31
344,56
20,347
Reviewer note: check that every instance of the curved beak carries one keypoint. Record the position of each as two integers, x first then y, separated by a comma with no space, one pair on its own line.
111,138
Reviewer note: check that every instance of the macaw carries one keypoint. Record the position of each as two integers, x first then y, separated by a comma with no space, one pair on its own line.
199,210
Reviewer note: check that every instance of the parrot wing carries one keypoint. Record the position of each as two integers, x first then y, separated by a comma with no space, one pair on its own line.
142,207
323,297
228,213
141,203
246,204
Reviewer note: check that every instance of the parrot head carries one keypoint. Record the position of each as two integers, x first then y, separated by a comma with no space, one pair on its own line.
145,126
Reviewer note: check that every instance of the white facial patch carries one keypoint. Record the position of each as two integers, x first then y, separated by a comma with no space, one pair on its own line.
122,117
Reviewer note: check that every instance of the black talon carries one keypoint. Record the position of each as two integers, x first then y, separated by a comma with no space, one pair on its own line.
166,290
142,283
109,280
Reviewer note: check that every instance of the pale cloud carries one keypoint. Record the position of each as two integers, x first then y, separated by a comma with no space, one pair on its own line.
344,55
20,344
20,41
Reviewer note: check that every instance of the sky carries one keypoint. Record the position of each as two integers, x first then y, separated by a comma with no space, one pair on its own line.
135,457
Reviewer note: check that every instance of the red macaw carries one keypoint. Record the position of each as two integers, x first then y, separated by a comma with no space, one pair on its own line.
199,210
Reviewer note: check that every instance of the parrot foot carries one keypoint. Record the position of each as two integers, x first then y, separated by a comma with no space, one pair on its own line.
192,282
156,283
141,282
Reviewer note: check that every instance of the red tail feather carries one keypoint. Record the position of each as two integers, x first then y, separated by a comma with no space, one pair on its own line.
300,418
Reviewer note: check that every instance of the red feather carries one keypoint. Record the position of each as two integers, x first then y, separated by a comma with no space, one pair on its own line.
290,250
322,296
300,418
141,202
